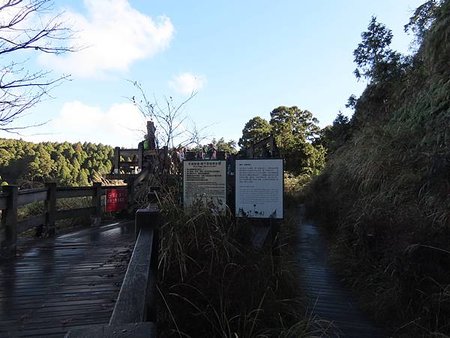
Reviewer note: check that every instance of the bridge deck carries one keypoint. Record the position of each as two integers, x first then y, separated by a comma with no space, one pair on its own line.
329,299
64,283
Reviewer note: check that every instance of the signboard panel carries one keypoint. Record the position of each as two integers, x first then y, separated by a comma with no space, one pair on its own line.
259,188
116,200
205,182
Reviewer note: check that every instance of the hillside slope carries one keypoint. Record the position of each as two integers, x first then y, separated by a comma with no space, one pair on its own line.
385,193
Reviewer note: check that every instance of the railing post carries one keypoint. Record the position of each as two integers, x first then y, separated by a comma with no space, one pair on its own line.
116,160
50,207
151,286
130,191
141,155
8,229
97,204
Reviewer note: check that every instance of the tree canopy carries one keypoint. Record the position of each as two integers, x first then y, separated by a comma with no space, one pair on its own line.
228,147
422,19
295,132
336,135
374,58
255,130
28,164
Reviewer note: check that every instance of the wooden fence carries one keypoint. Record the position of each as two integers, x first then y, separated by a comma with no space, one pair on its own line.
12,198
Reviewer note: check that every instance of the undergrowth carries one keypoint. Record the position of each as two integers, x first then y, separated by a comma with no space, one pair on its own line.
385,196
212,283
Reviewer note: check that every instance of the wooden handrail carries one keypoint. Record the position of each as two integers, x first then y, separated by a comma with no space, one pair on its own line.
31,195
136,303
11,198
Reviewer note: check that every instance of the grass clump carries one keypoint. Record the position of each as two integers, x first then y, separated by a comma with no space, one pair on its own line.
212,283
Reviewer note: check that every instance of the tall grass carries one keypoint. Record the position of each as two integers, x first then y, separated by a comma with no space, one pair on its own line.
212,283
385,195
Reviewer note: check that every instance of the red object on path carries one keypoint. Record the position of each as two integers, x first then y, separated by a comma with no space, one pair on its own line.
116,200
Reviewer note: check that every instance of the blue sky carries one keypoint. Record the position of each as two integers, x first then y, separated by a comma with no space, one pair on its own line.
243,58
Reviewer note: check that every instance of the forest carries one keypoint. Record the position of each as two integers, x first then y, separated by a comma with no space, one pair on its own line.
32,164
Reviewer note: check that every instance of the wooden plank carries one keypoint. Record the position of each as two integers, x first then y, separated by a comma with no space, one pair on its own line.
120,176
25,300
50,207
58,331
129,152
104,187
131,303
31,195
30,222
329,300
64,282
141,330
3,201
8,222
72,213
66,192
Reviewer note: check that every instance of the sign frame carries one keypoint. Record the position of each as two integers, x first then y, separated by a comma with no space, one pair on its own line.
216,202
264,186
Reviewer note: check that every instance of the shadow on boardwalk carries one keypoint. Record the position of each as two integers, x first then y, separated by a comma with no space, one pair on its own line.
66,282
329,300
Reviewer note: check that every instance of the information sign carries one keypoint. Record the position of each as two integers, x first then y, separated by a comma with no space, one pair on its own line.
259,188
116,200
205,182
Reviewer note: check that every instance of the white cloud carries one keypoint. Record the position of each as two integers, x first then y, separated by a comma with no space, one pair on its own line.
114,35
186,83
119,125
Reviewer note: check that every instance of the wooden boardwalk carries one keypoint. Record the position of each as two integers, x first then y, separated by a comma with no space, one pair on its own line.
329,300
67,282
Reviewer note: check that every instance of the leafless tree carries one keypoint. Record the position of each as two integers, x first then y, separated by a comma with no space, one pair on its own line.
169,118
27,27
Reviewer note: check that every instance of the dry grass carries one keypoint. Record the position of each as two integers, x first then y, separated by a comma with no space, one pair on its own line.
212,283
385,198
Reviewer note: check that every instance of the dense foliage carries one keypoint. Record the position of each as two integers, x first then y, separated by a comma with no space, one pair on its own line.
255,130
221,145
296,133
385,191
31,164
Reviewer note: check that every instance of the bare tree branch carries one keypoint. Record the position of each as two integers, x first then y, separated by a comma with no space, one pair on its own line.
168,118
28,25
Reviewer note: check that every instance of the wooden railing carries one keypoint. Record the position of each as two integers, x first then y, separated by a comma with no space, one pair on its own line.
134,313
12,198
129,162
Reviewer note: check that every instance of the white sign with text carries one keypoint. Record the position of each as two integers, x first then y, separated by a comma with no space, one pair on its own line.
259,188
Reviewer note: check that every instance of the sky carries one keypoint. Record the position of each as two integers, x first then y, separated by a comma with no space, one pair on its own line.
242,59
